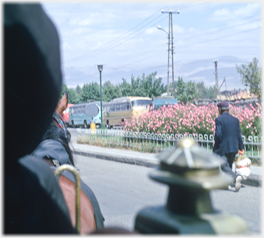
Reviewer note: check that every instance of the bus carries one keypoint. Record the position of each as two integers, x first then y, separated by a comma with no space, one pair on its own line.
159,102
97,118
119,109
77,116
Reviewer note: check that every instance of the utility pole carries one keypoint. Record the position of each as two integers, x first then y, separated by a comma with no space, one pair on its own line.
170,49
216,74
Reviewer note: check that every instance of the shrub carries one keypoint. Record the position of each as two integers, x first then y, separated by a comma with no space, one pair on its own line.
191,119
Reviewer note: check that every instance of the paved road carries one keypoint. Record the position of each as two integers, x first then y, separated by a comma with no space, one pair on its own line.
123,189
145,159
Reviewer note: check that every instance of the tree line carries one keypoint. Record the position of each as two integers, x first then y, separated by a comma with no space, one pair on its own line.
152,86
144,86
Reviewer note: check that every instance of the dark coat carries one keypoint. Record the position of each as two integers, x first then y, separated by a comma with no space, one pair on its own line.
33,201
228,137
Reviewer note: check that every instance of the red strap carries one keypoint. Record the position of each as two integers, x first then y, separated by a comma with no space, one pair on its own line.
242,166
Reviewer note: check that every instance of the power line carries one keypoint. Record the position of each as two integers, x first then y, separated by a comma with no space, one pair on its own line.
229,35
243,24
117,40
117,44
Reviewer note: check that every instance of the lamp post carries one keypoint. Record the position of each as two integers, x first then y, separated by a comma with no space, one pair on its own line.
100,68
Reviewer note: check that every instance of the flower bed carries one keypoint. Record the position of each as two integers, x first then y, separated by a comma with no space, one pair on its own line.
191,119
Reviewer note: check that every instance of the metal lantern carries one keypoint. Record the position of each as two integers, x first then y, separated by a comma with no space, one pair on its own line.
190,172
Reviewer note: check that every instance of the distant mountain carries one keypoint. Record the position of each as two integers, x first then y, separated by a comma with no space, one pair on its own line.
73,77
196,70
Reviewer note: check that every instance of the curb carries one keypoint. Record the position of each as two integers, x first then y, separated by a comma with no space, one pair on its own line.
143,160
121,159
252,180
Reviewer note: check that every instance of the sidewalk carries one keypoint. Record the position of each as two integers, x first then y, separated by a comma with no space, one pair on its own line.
144,159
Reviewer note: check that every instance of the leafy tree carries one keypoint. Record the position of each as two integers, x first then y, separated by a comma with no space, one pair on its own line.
201,90
78,90
251,76
73,96
184,98
90,92
144,86
135,84
125,88
191,91
108,84
211,93
152,86
110,91
180,89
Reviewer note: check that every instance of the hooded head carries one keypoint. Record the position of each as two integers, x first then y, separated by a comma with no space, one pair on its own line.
32,78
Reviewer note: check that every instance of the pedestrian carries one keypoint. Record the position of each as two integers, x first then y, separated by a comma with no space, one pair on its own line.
228,140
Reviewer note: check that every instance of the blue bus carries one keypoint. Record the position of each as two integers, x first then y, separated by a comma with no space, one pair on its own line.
78,117
97,118
159,102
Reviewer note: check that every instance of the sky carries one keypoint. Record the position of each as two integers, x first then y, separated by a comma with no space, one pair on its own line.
124,38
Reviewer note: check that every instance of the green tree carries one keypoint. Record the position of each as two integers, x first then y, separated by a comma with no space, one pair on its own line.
135,86
191,91
90,92
110,91
73,96
180,89
211,93
151,85
125,88
251,76
201,90
184,98
144,86
78,90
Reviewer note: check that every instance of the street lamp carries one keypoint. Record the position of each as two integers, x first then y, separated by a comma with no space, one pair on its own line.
168,74
100,68
160,28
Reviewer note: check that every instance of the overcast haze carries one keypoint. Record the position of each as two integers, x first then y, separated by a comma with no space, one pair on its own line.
123,36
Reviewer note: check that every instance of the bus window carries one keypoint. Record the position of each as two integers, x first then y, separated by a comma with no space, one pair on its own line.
123,107
112,107
137,103
118,107
128,105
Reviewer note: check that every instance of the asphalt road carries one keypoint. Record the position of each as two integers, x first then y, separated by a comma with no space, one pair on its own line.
123,189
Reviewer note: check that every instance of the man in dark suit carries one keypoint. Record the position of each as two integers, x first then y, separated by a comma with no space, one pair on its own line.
228,140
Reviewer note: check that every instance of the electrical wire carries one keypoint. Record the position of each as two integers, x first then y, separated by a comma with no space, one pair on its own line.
130,35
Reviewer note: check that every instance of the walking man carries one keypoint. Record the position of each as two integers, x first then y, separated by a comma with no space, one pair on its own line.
228,140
